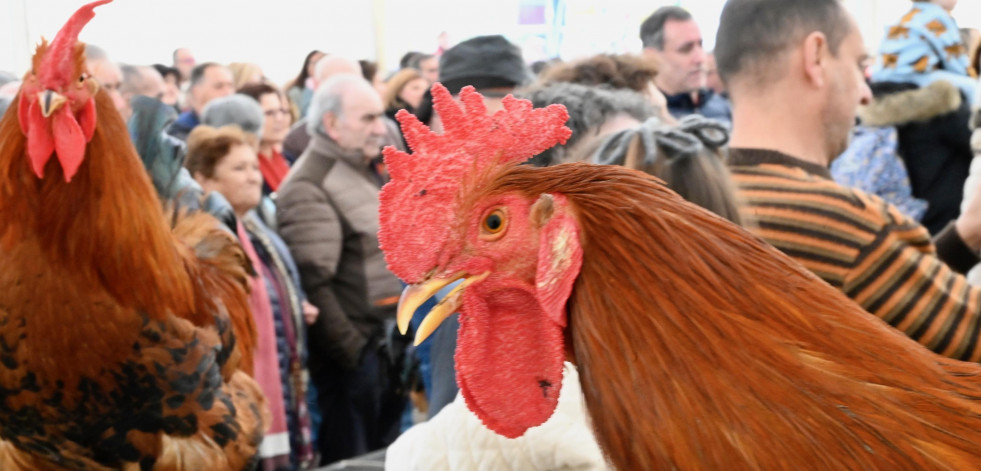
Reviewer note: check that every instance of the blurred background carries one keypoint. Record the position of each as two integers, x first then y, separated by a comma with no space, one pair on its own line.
276,35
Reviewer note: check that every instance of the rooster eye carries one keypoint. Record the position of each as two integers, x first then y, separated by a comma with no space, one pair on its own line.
494,223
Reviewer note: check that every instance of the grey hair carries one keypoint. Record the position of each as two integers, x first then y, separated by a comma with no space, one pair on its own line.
589,107
132,79
7,77
652,29
238,109
329,99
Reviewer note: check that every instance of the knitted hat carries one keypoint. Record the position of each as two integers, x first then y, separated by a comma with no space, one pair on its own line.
238,109
484,62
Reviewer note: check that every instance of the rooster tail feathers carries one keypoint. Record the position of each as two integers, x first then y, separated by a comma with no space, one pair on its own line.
223,268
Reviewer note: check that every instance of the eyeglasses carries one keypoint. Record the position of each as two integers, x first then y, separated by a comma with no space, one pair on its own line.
272,113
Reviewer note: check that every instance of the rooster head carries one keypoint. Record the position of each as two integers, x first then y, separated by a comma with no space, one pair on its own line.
56,107
517,257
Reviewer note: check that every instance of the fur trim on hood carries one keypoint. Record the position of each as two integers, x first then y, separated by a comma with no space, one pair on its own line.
922,104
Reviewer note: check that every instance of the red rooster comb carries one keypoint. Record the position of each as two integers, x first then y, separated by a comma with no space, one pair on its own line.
58,66
57,112
417,205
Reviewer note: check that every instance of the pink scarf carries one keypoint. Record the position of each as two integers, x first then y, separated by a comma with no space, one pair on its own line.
266,359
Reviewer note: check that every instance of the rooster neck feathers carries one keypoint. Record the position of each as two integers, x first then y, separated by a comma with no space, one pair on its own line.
699,346
109,199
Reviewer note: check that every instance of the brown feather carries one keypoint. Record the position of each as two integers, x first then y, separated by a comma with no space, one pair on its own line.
105,309
701,347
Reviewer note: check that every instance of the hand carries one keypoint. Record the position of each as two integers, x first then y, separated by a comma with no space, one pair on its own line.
968,225
310,313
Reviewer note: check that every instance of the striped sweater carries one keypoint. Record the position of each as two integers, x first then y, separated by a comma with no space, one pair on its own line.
865,247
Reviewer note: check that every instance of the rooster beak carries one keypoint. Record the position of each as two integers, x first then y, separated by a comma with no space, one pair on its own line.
50,101
414,295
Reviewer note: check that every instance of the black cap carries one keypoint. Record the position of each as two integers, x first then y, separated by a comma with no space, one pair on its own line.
484,62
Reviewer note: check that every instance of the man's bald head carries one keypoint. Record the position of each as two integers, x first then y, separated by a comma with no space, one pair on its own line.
141,80
333,64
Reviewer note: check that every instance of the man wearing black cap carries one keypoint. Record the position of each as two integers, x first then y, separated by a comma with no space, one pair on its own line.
491,64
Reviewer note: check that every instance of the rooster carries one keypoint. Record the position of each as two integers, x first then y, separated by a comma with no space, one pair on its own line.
125,335
699,346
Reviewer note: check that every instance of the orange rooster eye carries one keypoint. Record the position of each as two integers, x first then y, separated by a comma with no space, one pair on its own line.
494,224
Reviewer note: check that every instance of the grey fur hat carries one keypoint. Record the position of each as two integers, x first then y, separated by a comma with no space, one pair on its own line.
238,109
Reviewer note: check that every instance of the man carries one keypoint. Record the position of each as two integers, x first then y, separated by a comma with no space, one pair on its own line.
673,41
491,64
428,66
794,71
327,211
139,80
712,80
208,81
107,74
184,62
298,138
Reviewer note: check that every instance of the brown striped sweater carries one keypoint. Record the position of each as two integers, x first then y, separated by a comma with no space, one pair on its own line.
865,247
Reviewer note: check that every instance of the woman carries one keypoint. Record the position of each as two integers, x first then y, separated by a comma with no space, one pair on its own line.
224,160
404,91
617,71
371,73
688,157
273,165
246,73
300,89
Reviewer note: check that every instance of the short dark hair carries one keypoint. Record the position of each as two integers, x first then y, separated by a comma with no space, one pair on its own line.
368,69
752,33
410,59
197,73
652,29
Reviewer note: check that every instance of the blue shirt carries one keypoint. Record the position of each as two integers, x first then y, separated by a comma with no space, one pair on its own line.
872,165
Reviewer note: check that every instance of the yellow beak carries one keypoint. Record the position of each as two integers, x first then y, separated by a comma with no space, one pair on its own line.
414,295
50,101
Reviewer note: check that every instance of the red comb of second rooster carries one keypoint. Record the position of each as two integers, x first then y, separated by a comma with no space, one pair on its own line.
417,205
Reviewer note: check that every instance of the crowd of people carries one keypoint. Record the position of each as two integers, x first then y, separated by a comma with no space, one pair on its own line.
859,165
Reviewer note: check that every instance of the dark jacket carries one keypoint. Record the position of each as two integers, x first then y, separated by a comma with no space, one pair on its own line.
709,105
934,142
185,123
